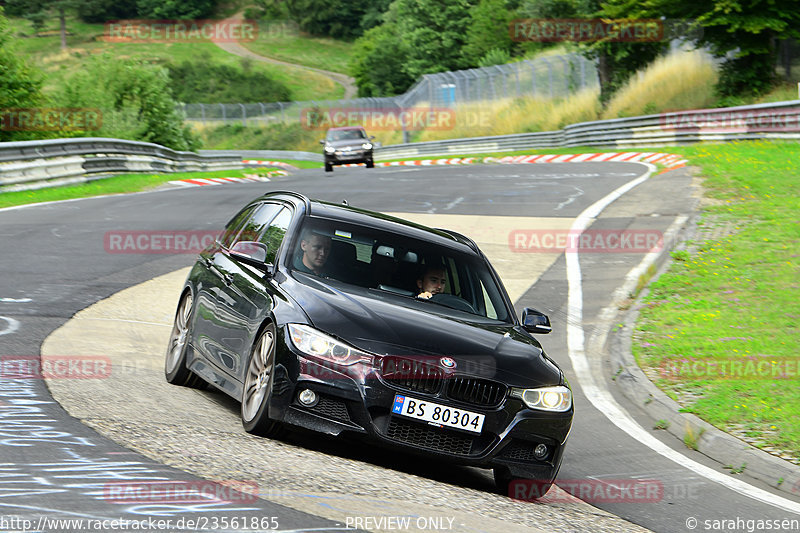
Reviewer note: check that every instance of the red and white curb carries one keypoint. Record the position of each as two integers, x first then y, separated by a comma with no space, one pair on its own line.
262,163
670,161
199,182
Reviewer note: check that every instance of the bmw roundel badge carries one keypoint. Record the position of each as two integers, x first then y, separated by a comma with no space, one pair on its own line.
448,362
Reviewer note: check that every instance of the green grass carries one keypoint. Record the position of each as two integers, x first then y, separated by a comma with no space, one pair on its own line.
84,40
285,42
124,183
736,297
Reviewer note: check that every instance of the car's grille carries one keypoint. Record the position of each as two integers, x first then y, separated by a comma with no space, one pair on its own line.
520,451
447,441
475,391
330,408
411,374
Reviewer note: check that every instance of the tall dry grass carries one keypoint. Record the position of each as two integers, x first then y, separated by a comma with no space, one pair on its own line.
681,80
517,115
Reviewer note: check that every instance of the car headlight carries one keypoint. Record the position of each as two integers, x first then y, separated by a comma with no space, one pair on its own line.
330,149
367,146
316,344
557,399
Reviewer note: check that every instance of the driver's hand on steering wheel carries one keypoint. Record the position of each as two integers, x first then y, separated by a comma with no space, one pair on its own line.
425,295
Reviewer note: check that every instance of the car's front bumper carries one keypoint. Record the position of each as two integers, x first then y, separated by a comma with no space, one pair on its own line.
340,157
361,402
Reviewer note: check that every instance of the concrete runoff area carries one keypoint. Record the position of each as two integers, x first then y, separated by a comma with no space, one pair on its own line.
200,431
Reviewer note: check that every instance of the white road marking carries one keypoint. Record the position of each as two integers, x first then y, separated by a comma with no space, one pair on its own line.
13,325
601,397
15,300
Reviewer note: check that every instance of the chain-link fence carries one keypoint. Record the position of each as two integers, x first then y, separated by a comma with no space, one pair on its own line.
543,77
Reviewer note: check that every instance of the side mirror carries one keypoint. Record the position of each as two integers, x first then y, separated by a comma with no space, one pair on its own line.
535,322
251,252
371,137
322,141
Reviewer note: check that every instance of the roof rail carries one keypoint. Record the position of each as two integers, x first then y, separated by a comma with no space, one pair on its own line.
469,242
297,195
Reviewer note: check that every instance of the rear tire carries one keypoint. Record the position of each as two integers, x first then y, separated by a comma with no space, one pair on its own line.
370,164
175,369
258,386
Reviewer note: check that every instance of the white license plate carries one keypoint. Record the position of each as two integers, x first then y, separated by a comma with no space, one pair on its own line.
440,415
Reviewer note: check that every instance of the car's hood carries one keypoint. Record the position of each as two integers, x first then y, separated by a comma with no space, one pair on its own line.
352,143
387,324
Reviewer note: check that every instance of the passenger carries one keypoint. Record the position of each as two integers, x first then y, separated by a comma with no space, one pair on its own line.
432,281
316,250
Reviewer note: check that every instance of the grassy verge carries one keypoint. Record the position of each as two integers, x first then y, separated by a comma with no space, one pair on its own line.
85,39
124,183
719,330
285,42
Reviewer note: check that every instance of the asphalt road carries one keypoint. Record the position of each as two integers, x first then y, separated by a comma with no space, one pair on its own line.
55,264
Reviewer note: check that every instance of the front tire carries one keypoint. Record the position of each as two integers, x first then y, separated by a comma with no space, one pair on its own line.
328,167
258,386
175,369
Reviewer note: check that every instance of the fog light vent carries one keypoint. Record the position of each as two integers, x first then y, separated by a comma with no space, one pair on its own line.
308,398
540,452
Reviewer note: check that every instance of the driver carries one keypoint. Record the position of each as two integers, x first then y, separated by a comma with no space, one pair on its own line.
316,250
432,281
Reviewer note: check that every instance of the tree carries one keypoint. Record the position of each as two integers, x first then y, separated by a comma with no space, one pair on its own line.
38,10
377,63
105,10
746,33
487,31
174,9
616,60
433,31
20,88
134,98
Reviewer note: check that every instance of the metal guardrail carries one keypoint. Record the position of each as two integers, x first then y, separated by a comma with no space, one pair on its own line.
37,164
268,154
779,120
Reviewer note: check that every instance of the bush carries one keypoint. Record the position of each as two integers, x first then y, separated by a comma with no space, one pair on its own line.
20,87
200,82
135,101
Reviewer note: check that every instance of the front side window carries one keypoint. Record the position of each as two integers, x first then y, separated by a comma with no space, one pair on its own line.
273,234
419,270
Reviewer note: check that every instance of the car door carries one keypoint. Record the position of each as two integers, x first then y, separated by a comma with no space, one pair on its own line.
206,327
246,296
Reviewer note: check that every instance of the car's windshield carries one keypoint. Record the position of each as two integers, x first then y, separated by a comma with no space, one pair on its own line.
346,135
392,263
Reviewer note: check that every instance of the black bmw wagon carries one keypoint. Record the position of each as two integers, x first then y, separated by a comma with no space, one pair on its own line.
342,320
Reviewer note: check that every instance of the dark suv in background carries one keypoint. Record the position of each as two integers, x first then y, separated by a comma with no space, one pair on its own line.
348,144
